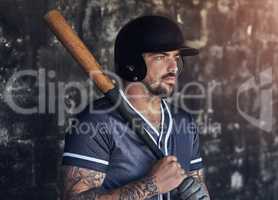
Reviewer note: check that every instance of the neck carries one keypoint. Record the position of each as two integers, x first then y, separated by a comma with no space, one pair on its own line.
142,99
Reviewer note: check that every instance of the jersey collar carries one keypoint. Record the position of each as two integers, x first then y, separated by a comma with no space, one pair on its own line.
160,138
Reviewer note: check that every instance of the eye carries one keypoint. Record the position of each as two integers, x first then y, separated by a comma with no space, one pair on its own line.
159,58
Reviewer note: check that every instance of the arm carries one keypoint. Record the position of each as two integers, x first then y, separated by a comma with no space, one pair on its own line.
83,184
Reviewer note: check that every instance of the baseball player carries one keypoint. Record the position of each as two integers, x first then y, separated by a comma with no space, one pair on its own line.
105,159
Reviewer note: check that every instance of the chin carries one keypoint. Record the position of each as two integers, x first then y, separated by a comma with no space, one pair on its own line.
168,89
163,91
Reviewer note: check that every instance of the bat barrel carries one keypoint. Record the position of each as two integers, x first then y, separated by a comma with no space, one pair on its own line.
78,50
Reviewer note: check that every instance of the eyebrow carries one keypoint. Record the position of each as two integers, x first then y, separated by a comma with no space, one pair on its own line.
164,53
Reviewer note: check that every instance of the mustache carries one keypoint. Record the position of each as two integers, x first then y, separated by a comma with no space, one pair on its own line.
170,74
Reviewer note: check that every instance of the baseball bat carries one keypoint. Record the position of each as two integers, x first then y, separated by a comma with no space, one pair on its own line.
83,56
77,49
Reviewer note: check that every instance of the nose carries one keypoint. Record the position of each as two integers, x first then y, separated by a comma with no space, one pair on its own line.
172,64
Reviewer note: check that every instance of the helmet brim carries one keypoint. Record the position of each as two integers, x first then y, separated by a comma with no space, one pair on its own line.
188,51
184,50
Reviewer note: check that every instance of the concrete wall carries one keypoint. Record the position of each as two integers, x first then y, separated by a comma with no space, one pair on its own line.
238,40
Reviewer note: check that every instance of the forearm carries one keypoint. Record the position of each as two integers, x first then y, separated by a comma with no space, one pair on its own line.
138,190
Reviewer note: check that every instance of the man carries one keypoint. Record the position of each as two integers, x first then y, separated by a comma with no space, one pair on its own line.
110,161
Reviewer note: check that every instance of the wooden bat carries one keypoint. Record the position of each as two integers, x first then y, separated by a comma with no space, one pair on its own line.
83,56
78,50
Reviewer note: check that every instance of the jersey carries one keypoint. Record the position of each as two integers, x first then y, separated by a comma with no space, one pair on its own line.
103,141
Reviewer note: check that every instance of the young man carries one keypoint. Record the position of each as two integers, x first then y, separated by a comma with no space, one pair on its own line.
110,161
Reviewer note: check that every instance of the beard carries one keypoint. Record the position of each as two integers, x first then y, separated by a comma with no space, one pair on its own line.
161,91
159,88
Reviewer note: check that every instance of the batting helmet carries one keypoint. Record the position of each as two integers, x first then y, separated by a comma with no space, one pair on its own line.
146,34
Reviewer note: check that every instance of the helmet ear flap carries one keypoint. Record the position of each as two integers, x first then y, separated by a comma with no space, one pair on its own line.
132,71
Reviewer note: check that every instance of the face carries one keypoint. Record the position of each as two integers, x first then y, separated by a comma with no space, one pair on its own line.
162,71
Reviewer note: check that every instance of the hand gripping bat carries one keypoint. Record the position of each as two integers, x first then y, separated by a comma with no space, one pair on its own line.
83,56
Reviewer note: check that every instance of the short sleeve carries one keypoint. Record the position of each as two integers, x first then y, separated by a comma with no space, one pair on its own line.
196,161
88,143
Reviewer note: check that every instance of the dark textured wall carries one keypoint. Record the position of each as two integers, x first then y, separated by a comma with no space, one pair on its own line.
238,41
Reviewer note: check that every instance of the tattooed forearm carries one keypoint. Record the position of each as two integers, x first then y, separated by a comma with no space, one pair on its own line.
77,180
140,190
83,184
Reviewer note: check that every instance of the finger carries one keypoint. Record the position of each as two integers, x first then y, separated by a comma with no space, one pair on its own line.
171,158
175,165
179,165
184,174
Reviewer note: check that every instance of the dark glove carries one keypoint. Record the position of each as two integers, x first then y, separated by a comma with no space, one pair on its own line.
191,189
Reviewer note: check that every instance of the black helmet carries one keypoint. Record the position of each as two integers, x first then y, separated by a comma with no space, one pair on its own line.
146,34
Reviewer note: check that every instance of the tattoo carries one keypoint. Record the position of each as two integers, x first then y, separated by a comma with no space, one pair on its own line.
141,190
78,180
83,184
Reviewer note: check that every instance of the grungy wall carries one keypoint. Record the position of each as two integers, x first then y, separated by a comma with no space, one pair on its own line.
237,68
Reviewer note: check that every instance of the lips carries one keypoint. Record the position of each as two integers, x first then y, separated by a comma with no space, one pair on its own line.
170,79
